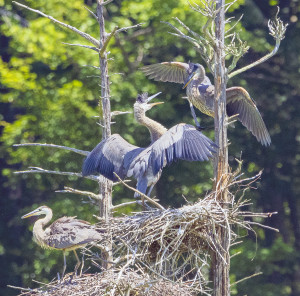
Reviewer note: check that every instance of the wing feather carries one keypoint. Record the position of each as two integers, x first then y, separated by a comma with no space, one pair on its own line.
167,71
109,157
240,102
182,141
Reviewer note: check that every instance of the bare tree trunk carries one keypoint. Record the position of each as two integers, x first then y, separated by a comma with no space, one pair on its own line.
104,184
221,259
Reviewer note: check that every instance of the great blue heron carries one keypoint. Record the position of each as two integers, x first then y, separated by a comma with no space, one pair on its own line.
66,233
116,155
200,93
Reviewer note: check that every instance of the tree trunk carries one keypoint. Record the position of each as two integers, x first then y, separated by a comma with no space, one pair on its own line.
221,259
105,112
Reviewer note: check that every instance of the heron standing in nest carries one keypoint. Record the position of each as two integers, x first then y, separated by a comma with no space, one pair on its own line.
201,94
65,234
116,155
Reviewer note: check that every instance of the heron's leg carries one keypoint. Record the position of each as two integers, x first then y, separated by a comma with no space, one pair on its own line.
150,189
197,123
82,265
77,264
65,265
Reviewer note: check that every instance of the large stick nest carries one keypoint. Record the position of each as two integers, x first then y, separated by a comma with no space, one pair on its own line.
129,283
176,244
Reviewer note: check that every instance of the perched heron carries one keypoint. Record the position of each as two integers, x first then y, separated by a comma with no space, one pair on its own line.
201,92
66,233
116,155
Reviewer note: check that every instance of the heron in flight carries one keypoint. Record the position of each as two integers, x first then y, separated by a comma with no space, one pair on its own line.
201,93
116,155
66,233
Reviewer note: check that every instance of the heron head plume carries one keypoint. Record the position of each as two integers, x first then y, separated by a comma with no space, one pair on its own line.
195,71
43,210
142,102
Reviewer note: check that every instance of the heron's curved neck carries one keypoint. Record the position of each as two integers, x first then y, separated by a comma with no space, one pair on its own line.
38,231
156,129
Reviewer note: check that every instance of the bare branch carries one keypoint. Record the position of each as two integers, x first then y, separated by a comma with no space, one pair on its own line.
82,34
94,15
124,204
43,171
141,194
128,28
85,46
103,48
277,30
81,152
107,2
246,278
79,192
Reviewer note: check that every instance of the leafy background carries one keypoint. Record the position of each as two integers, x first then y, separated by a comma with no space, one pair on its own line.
49,95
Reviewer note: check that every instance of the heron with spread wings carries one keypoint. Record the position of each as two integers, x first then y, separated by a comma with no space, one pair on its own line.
201,93
116,155
65,234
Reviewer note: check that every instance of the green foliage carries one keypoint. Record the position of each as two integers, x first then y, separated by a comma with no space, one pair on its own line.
49,95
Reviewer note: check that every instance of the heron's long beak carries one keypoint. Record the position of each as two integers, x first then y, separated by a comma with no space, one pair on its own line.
33,213
152,97
188,80
154,104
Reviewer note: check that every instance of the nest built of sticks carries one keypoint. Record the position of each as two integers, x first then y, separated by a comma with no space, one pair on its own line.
164,251
111,283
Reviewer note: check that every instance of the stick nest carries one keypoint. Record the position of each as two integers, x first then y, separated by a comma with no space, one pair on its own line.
130,283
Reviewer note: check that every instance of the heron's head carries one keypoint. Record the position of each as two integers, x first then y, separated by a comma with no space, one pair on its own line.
43,210
142,103
196,71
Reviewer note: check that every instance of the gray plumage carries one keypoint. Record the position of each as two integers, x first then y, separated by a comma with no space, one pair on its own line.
66,233
201,92
115,154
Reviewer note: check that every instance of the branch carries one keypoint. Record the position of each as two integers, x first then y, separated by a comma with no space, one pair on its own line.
130,27
82,34
80,45
94,15
79,192
277,30
103,48
142,194
246,278
123,204
43,171
81,152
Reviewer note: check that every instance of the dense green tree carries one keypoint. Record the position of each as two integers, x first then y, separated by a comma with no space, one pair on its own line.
49,95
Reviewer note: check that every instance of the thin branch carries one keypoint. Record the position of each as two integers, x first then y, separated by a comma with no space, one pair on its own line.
79,192
130,27
93,14
43,171
246,278
85,46
82,34
277,30
124,204
107,2
103,48
141,194
81,152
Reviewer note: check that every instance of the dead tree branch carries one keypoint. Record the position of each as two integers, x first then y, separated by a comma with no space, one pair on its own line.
82,34
81,152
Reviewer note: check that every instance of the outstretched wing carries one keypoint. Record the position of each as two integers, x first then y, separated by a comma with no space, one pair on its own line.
182,141
167,71
108,157
240,102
